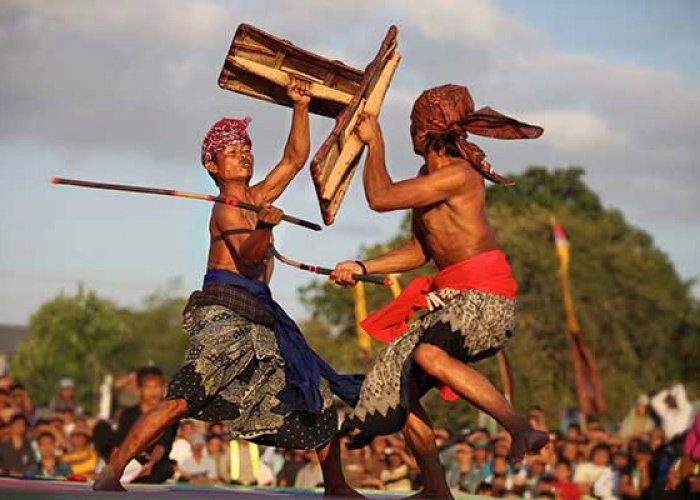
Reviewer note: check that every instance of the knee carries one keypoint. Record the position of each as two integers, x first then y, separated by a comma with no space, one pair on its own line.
173,409
430,358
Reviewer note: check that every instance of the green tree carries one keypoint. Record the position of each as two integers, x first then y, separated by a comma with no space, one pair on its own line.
156,328
637,315
81,337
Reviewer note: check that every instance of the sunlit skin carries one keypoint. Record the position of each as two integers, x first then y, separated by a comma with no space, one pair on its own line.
449,225
47,452
240,240
241,243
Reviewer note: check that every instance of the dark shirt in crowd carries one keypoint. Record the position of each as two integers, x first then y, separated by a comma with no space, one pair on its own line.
288,473
14,461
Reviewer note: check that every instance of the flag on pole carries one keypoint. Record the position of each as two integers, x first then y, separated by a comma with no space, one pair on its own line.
588,386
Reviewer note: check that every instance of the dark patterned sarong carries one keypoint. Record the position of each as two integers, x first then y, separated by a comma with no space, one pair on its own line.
471,326
234,372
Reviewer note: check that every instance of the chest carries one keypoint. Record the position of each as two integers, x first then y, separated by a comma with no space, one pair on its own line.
430,219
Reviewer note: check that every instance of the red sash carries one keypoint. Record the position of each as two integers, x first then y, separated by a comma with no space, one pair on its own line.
486,272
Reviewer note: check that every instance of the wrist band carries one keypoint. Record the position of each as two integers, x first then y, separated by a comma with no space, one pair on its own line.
362,265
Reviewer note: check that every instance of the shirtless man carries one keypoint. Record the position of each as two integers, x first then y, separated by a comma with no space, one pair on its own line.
248,365
471,299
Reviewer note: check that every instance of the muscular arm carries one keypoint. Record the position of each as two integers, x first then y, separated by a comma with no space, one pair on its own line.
384,195
255,248
410,256
296,152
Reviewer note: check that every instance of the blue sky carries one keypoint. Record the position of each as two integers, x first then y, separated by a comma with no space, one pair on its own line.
124,91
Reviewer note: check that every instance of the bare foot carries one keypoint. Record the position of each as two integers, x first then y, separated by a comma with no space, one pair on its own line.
526,442
432,494
344,491
108,481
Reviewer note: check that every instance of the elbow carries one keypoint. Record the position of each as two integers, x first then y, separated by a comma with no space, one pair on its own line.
249,264
378,207
378,203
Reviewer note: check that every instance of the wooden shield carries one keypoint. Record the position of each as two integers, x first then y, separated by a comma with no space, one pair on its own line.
259,64
333,166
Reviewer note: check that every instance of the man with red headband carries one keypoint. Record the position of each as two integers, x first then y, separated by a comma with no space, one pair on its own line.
472,298
248,365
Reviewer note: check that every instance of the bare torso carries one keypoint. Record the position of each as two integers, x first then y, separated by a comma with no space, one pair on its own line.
456,229
225,254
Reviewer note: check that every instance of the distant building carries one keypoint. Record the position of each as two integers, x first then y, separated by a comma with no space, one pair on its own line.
10,336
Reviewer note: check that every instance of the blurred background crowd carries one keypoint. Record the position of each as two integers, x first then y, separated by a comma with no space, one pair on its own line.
653,453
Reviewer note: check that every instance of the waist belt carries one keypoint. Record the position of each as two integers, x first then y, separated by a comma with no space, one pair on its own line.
236,299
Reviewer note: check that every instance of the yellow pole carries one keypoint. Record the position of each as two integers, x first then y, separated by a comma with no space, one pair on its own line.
363,338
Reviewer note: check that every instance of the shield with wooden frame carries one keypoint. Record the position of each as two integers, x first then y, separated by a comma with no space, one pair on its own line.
259,65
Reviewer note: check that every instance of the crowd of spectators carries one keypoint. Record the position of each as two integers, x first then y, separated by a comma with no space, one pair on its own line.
653,453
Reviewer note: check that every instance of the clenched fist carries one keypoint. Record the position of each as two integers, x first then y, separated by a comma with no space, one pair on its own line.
367,128
342,274
298,91
269,216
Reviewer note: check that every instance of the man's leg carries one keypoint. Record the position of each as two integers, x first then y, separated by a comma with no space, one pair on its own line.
334,481
420,437
475,388
149,426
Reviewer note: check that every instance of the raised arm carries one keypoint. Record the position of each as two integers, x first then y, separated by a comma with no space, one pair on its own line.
296,151
383,194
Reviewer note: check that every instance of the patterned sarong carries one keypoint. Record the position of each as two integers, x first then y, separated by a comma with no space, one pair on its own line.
471,326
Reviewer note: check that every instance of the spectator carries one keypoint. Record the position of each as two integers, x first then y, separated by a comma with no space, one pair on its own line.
657,438
273,458
126,388
480,468
82,458
21,400
563,486
216,428
674,409
568,450
182,447
66,398
460,466
16,453
199,468
484,489
500,470
595,477
638,422
534,471
65,417
354,464
242,465
635,479
396,474
573,432
293,464
49,465
309,475
7,409
156,467
536,418
216,451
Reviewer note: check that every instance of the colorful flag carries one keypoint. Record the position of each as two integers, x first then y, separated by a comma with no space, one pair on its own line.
588,386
